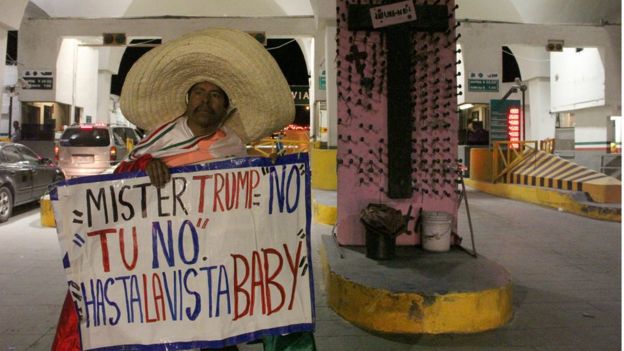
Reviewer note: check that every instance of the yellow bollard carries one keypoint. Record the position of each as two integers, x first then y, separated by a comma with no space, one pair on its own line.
323,166
481,164
47,214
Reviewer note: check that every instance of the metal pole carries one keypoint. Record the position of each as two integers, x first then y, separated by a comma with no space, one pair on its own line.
523,115
10,113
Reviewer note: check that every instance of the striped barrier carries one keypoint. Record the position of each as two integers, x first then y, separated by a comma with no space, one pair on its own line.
546,170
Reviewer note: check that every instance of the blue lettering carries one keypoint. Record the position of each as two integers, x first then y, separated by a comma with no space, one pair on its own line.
112,321
171,301
157,237
279,190
124,280
295,171
135,297
88,302
208,271
181,242
99,304
192,315
223,279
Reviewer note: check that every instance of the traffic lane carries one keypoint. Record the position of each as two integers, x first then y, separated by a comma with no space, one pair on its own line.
32,280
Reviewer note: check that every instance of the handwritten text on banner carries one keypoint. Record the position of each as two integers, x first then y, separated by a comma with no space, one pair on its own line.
221,253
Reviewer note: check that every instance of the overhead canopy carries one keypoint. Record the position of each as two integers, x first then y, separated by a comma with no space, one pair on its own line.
520,11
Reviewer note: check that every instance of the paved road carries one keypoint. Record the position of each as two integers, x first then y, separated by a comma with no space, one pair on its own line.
566,271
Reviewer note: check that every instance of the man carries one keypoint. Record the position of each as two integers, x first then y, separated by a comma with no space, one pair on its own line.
16,135
226,91
476,134
203,120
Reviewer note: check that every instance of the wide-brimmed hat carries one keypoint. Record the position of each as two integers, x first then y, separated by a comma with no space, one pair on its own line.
155,89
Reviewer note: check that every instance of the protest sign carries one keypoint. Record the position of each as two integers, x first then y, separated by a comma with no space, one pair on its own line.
219,255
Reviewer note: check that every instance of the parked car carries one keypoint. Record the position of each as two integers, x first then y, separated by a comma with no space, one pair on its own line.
24,177
92,148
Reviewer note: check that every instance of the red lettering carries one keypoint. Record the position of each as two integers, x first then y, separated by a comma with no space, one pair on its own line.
218,186
104,244
251,185
238,287
202,186
241,184
122,249
270,280
293,268
146,304
158,296
256,281
231,193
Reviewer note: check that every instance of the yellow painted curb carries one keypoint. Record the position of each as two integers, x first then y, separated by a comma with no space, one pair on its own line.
324,214
323,167
545,197
605,190
413,313
47,214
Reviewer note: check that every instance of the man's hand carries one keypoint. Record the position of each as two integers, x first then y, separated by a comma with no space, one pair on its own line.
158,172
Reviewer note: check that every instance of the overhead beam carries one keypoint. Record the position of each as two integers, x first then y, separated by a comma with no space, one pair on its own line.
171,27
40,39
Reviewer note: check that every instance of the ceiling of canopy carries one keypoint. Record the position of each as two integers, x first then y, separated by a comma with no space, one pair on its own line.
520,11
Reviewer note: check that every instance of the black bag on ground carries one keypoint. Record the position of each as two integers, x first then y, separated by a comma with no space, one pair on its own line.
383,223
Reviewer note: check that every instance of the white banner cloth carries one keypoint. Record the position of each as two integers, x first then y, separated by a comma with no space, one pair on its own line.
220,255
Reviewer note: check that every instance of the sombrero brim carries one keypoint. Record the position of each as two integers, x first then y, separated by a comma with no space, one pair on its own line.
155,88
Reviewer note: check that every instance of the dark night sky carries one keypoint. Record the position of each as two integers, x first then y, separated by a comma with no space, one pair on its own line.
511,71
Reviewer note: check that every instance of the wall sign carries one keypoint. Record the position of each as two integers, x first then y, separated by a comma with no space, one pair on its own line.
38,79
323,80
391,14
481,82
300,94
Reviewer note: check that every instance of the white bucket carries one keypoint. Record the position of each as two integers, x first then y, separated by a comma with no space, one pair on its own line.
436,231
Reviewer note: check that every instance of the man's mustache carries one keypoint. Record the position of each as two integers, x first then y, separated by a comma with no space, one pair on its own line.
204,108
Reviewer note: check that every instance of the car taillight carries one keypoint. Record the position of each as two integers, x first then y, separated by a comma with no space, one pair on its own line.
56,152
113,153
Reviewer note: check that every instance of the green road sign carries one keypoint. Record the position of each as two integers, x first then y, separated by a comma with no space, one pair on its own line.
484,85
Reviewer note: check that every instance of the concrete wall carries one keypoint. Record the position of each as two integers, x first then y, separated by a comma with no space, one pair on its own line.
3,46
540,121
56,44
591,135
577,80
10,79
482,42
64,76
11,13
534,67
87,81
331,90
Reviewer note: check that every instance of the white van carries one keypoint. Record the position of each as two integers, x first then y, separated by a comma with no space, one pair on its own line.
89,149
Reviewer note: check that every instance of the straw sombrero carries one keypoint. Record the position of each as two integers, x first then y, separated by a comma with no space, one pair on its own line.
155,88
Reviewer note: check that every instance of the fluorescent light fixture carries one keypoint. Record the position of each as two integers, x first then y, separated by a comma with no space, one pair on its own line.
465,106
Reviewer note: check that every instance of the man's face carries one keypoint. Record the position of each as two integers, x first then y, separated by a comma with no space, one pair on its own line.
206,105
